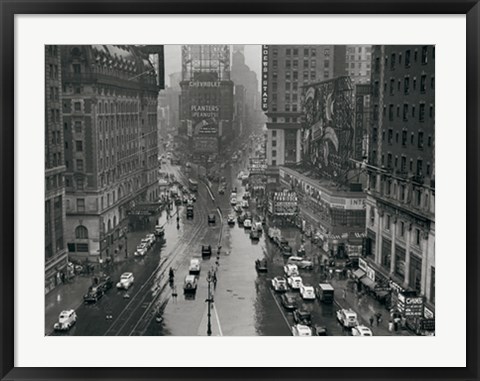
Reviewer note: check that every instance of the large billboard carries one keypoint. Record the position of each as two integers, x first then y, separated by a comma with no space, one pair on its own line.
265,56
328,134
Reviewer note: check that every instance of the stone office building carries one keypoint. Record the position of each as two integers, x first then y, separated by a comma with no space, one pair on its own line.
55,248
111,149
401,193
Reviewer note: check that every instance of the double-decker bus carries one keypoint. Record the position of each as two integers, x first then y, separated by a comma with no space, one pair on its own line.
193,185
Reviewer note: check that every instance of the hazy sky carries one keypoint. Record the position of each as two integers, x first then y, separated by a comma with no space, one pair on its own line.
173,58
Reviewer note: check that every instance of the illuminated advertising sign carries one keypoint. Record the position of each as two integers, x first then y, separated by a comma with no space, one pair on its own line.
410,306
284,203
204,111
265,53
257,166
205,144
204,84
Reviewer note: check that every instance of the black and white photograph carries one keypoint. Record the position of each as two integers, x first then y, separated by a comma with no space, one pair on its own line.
239,190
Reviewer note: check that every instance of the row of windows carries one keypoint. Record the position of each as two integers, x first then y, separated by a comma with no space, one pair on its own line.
306,52
406,57
396,85
409,111
52,50
402,138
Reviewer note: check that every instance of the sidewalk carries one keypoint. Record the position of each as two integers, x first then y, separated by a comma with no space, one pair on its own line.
64,297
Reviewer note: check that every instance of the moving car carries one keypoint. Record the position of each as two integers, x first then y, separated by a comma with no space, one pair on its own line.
126,280
301,330
206,251
261,265
290,270
289,301
96,291
246,195
295,282
257,225
319,330
194,267
279,284
302,263
221,190
238,209
231,219
302,316
325,293
361,330
66,319
190,284
307,292
245,204
347,317
233,200
247,224
241,219
254,234
211,218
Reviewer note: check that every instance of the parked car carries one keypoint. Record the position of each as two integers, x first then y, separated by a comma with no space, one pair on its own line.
302,316
146,242
247,224
141,250
347,317
126,280
159,231
295,282
66,320
289,301
190,283
194,267
279,284
302,263
361,330
290,270
301,330
307,292
151,238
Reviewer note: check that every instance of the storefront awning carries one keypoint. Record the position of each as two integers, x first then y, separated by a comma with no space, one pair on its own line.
367,282
358,273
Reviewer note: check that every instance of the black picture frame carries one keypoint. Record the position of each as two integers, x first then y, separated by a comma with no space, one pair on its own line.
10,8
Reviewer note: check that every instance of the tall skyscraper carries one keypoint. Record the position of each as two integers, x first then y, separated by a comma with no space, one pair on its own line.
358,63
55,249
401,162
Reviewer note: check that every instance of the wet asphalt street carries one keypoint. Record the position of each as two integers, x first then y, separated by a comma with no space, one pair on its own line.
244,302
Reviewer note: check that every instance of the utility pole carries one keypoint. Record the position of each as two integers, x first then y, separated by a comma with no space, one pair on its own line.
209,300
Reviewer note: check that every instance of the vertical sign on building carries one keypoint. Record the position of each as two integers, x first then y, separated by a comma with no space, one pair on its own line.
265,51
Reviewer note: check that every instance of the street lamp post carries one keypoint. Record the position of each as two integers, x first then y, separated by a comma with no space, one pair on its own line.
209,300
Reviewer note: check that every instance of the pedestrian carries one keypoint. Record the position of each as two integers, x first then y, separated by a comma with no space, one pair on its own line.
390,326
372,319
379,318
